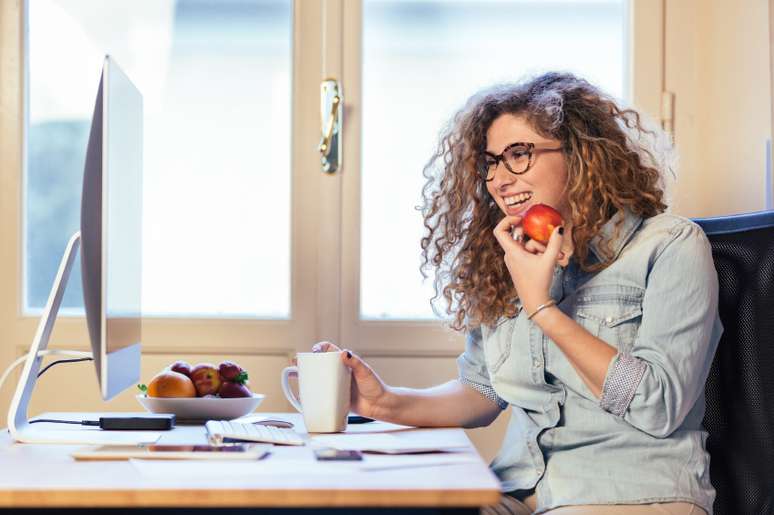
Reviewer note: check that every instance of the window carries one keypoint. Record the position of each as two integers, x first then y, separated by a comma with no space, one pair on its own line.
247,243
216,82
421,61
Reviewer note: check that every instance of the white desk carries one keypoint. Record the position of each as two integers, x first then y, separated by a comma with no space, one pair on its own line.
45,476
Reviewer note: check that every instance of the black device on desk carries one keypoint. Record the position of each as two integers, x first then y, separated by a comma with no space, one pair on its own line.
138,423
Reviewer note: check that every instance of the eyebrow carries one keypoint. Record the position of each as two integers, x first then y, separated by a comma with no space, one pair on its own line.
492,153
537,145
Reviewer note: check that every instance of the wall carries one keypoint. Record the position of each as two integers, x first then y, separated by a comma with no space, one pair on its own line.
717,64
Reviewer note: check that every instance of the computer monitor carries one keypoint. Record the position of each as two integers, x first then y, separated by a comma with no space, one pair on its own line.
111,231
111,241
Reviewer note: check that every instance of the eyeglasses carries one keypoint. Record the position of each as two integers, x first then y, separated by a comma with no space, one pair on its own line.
518,158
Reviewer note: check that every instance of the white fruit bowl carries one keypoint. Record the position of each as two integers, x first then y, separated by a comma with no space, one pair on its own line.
202,408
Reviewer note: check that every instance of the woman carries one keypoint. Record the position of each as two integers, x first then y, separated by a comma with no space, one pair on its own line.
601,340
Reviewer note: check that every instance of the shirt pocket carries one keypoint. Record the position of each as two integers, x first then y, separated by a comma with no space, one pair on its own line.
497,344
612,313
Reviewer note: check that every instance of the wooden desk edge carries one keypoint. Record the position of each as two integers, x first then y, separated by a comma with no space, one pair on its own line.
269,498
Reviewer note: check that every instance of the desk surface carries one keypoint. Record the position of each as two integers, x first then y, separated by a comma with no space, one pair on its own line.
47,476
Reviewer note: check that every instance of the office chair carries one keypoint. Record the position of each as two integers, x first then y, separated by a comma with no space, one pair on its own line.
740,388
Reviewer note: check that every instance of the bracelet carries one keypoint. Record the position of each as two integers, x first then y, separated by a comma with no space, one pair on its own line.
541,307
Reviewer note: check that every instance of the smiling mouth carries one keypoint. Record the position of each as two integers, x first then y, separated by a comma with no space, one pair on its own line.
517,200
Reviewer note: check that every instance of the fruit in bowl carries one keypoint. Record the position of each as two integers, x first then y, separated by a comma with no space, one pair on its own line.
171,384
206,379
229,390
205,392
228,370
228,380
181,366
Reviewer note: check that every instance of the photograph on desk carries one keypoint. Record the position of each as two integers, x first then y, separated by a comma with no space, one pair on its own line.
421,256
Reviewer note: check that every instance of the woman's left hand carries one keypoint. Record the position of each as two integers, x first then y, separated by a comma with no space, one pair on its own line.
532,271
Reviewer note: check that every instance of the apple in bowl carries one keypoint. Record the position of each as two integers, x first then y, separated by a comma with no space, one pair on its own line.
206,379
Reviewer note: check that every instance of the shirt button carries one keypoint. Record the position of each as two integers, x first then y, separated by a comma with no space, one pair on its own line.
609,320
537,364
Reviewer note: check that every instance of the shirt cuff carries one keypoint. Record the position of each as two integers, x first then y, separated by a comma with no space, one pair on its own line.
486,391
622,380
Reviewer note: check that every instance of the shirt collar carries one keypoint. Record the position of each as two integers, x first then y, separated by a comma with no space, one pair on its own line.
631,222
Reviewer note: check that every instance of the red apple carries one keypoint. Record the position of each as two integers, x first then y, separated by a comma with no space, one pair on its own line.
230,390
206,379
540,221
181,367
229,370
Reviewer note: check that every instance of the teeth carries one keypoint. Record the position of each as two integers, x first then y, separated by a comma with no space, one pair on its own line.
517,199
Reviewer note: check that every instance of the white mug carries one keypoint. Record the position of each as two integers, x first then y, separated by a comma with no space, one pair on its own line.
323,385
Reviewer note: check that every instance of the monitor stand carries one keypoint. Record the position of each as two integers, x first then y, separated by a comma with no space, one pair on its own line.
18,424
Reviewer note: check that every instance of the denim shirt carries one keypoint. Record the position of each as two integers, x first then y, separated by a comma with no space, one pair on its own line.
643,441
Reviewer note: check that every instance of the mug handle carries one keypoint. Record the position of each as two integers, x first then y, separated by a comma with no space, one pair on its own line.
286,373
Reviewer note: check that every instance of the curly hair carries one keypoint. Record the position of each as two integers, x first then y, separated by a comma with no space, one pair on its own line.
610,167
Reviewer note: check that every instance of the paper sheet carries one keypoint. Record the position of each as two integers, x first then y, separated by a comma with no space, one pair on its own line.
192,471
381,462
375,426
383,442
370,427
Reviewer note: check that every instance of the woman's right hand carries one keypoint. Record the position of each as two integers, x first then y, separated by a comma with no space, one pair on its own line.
369,395
535,247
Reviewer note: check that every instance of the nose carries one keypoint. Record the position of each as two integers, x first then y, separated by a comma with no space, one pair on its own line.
502,177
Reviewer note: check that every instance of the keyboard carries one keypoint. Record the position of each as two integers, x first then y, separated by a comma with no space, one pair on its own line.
220,430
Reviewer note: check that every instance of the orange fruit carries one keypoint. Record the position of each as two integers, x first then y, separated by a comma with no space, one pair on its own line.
171,384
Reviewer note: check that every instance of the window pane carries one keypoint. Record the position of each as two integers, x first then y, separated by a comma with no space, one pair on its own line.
421,61
215,78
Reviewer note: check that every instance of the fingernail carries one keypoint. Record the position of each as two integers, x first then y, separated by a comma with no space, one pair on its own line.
561,230
349,355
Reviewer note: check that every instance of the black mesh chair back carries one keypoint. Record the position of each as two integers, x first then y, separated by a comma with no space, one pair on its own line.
740,387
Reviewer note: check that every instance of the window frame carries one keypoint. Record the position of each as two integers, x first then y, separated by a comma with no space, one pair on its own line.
431,338
325,253
162,335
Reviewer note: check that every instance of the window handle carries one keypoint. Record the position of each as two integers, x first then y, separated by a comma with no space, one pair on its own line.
331,106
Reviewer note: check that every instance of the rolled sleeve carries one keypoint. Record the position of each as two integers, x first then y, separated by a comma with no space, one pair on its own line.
473,371
656,385
623,377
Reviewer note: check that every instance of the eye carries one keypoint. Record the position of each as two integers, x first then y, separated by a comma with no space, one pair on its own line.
489,161
518,152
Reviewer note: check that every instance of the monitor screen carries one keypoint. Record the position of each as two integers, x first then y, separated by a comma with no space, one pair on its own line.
111,231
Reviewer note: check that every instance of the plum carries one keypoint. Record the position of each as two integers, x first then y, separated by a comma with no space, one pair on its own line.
230,390
181,367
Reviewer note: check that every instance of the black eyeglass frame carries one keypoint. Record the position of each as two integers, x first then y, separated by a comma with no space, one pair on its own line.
531,149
